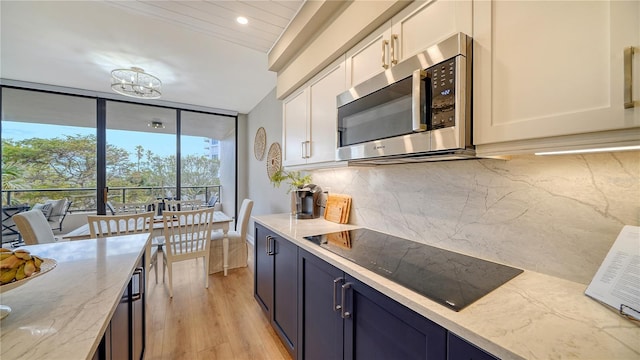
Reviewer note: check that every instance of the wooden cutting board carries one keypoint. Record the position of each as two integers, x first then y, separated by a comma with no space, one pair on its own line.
338,208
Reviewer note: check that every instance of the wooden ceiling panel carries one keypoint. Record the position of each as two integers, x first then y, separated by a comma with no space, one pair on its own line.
267,19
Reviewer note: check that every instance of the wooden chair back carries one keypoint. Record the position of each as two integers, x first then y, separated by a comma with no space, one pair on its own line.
183,205
112,225
187,236
187,233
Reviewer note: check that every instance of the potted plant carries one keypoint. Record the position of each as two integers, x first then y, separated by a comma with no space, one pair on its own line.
296,181
295,178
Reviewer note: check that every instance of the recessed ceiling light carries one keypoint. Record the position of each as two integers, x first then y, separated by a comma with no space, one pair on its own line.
242,20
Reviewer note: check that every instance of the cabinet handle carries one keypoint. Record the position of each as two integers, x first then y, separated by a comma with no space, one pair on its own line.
336,306
268,246
307,149
140,273
385,43
345,314
416,100
628,77
394,42
302,149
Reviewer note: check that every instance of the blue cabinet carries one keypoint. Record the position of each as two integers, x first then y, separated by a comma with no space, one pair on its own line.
320,325
342,318
275,284
459,349
323,313
125,335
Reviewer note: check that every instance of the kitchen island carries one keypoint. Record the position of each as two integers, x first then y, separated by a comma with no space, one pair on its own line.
64,313
532,316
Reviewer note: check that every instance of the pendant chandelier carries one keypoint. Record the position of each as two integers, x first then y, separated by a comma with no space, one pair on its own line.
134,82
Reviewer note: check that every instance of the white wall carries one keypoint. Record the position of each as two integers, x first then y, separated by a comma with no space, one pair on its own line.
266,198
557,215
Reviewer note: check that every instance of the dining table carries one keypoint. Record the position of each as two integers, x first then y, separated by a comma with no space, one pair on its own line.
220,221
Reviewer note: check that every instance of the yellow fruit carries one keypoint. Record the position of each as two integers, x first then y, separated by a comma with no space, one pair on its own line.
22,254
5,255
7,275
29,268
10,262
20,273
37,261
3,250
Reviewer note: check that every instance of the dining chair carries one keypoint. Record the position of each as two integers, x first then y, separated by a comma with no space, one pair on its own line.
129,208
34,227
240,234
187,236
113,225
182,205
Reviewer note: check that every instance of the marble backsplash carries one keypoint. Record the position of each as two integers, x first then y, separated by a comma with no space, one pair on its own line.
556,215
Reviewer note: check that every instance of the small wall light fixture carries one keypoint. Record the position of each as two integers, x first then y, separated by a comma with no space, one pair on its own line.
156,125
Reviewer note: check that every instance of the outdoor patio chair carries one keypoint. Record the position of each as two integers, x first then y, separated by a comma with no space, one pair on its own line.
59,210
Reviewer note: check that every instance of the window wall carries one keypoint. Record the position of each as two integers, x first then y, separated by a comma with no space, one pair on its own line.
141,153
208,142
48,148
52,143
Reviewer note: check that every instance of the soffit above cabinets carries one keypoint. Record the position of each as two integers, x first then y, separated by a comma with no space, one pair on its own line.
322,42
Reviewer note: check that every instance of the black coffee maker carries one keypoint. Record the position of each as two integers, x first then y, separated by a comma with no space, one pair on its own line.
308,202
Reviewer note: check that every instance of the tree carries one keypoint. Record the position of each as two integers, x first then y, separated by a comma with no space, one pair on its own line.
70,162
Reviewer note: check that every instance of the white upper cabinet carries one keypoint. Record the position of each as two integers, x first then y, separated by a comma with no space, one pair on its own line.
416,27
309,119
544,69
295,120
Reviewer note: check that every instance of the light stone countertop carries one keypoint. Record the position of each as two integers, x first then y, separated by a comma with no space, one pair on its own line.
533,316
63,313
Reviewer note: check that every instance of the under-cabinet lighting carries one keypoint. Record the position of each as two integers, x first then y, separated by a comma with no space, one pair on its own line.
584,151
242,20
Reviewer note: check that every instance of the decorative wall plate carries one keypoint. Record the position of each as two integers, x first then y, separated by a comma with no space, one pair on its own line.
274,159
260,143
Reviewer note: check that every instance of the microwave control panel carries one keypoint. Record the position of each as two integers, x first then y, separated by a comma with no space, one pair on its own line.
443,98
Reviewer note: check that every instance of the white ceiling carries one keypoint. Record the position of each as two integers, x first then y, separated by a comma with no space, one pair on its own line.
198,50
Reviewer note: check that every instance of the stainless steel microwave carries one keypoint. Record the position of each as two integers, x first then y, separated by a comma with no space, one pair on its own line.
418,110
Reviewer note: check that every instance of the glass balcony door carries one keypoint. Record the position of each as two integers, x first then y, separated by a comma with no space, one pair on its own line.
140,154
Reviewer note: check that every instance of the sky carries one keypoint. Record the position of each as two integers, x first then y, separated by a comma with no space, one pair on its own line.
159,144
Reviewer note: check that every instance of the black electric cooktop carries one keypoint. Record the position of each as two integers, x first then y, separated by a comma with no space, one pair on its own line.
451,279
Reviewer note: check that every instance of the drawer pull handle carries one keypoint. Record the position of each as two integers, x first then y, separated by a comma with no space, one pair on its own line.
337,281
345,314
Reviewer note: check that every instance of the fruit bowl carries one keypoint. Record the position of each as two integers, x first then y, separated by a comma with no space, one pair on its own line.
46,266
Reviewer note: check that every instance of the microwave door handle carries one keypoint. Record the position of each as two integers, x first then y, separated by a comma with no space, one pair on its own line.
416,108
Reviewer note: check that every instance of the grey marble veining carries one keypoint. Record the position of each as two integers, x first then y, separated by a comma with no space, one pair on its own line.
556,215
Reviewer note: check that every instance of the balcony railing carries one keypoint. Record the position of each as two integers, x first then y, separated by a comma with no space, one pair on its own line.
84,199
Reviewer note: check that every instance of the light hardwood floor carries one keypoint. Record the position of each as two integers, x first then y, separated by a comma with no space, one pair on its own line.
221,322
